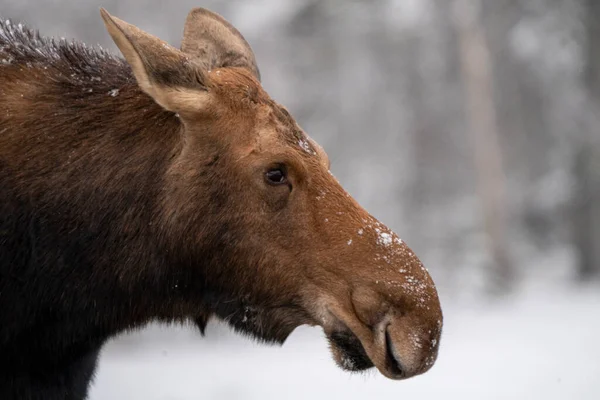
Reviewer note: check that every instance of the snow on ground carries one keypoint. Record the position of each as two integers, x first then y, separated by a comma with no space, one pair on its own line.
541,344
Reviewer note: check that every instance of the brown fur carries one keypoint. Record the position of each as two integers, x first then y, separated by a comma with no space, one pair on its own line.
119,208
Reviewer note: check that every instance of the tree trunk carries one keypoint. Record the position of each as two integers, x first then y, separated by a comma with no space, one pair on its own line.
586,217
477,77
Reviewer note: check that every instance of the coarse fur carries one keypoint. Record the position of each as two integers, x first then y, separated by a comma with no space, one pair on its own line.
135,192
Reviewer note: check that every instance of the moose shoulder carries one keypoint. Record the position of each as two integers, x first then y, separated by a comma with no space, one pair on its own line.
169,186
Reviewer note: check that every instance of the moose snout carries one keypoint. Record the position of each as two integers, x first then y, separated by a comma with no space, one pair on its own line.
386,313
405,322
400,339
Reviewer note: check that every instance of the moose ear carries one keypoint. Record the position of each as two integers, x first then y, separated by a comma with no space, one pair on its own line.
214,43
162,71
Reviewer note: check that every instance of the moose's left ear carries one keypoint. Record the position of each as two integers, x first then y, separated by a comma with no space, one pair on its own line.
214,43
162,71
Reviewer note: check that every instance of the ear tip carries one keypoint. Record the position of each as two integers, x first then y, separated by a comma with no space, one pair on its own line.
198,12
112,22
105,15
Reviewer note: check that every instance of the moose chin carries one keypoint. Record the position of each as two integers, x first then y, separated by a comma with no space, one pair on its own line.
168,186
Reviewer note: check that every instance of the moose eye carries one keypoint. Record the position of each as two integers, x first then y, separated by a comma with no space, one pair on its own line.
276,176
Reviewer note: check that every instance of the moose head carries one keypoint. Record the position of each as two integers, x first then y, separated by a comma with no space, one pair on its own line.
250,210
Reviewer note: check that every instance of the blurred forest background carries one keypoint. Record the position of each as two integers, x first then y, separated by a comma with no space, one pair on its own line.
471,127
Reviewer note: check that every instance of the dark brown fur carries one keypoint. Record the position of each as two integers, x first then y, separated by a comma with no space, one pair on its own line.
115,212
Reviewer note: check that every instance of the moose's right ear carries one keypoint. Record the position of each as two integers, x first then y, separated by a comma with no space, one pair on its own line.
215,43
162,71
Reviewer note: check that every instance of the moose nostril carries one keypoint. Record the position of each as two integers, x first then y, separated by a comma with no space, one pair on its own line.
392,360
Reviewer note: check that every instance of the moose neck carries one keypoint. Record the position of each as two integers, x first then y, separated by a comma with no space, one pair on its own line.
91,171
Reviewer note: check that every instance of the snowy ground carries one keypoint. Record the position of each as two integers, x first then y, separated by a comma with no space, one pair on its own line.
542,344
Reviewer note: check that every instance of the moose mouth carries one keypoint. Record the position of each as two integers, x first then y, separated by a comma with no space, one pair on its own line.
349,353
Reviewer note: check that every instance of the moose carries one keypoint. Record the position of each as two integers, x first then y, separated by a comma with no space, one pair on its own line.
168,186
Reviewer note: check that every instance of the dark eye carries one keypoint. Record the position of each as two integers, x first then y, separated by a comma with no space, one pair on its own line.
276,176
